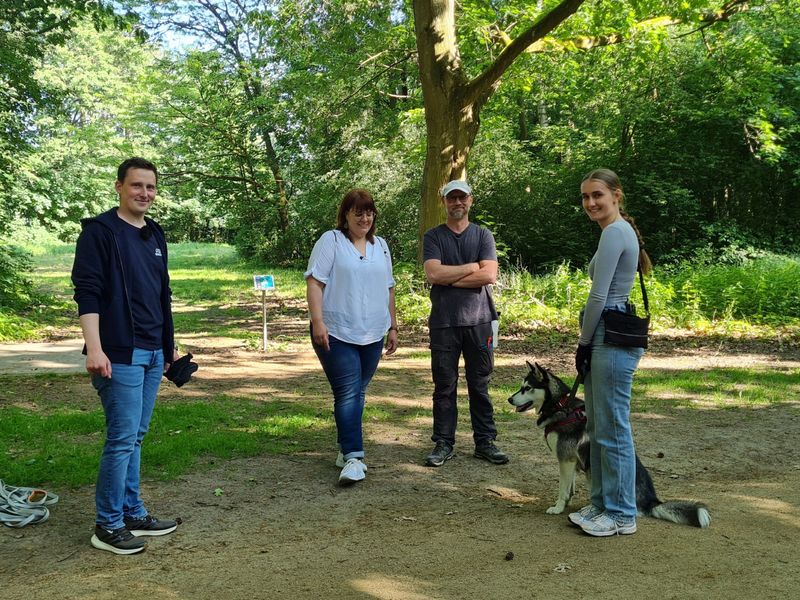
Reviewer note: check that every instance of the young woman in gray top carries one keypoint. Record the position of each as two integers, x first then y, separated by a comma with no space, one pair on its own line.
609,369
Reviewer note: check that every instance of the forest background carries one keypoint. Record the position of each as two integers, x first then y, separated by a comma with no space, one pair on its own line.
262,113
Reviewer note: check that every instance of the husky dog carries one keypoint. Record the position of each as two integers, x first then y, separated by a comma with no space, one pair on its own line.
564,422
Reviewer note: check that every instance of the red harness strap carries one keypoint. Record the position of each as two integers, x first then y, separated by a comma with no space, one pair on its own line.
576,415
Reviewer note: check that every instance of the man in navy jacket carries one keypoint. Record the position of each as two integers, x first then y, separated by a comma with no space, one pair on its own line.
124,302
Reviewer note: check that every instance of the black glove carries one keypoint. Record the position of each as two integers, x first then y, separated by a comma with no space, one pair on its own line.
181,370
583,359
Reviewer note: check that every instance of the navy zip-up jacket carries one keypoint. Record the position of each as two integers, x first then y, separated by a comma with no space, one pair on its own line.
102,282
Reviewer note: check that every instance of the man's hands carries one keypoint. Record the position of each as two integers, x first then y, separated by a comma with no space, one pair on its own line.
97,363
175,356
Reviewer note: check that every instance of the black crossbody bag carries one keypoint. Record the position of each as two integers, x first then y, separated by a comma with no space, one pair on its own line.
625,328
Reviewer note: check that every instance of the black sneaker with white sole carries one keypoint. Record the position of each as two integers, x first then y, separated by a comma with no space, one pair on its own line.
441,453
118,541
149,525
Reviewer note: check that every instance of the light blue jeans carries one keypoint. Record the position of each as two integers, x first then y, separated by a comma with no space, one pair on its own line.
128,398
607,391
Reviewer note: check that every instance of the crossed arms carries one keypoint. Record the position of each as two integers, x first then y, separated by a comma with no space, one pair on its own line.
470,275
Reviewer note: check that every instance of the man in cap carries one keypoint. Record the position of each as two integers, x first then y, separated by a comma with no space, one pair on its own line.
460,261
124,302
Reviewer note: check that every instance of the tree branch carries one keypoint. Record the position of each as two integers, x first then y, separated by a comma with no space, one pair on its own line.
482,85
545,45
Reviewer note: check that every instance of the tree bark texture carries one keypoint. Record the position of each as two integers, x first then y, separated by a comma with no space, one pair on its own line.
452,102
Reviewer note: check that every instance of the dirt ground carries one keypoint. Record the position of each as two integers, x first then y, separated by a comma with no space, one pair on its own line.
284,529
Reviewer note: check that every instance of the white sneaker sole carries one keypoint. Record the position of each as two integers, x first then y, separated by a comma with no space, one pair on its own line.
627,530
100,545
147,532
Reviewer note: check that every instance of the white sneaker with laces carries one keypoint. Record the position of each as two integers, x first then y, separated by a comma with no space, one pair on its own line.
354,470
585,514
604,525
340,461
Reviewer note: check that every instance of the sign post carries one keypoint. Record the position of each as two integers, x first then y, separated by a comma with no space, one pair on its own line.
264,283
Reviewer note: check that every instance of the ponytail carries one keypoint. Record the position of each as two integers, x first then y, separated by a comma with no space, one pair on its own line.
611,180
645,264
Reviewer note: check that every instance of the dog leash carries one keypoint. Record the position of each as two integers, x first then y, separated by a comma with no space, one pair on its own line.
21,506
575,386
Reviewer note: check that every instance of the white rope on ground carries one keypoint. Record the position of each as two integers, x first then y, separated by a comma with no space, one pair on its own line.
21,506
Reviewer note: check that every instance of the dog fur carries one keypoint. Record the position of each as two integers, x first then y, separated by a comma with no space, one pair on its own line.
541,392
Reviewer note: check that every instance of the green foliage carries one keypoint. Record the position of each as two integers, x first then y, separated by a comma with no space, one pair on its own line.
323,97
764,290
16,289
29,30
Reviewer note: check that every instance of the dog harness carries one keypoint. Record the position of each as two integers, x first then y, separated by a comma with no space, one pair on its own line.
576,415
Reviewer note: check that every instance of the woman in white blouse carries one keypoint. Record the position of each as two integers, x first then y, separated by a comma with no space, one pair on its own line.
350,291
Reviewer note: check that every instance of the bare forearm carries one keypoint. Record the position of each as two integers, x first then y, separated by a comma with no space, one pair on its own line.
485,275
90,326
439,274
392,310
314,297
475,280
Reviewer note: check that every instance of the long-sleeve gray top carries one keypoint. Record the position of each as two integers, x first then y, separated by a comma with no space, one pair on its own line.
612,269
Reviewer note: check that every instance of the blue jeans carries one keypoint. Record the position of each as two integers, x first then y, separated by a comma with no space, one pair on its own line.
128,398
349,369
607,390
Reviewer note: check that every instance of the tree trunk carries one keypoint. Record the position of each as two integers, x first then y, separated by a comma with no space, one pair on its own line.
451,118
453,103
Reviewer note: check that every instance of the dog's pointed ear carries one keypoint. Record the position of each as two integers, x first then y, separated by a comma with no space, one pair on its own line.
530,366
542,371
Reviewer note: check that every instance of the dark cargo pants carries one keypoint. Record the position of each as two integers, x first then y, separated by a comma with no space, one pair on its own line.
447,345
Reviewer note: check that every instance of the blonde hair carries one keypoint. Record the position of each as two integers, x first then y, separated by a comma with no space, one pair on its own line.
611,181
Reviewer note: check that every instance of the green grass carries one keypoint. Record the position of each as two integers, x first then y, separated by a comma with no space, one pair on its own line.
213,295
659,390
715,388
61,445
51,427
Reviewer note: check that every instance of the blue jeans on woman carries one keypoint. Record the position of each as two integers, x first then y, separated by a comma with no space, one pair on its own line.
128,398
607,391
349,369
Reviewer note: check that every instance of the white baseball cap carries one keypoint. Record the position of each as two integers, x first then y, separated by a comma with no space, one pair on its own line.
457,184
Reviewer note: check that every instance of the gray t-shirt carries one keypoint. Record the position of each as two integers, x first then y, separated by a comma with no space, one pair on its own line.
454,306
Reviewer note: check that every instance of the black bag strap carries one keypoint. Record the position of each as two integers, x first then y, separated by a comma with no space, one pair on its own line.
644,291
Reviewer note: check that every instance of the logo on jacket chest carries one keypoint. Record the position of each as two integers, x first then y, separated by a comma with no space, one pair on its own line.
158,251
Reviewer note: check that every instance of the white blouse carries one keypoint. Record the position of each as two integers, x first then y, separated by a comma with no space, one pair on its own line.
355,300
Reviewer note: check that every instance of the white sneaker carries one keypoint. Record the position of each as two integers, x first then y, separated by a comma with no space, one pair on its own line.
354,470
585,514
605,525
340,461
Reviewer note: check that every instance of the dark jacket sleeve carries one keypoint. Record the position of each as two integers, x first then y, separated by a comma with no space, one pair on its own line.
88,269
168,331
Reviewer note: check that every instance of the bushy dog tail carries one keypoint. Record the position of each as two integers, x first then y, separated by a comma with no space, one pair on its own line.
684,512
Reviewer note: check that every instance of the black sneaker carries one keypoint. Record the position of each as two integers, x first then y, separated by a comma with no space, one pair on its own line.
118,541
491,453
442,452
149,525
